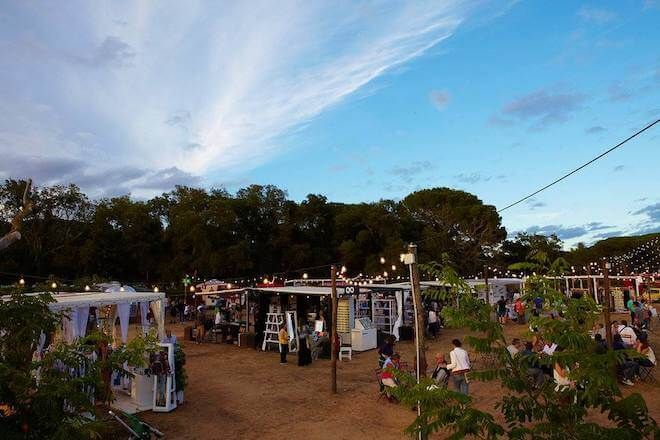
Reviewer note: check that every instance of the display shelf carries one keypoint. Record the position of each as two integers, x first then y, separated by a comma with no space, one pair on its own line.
383,314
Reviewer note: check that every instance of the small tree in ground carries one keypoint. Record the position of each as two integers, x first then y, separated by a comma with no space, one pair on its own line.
532,410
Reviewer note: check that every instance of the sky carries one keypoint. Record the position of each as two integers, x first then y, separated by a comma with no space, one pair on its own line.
355,100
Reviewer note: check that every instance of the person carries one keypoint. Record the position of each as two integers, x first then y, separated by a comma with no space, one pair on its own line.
459,365
646,315
630,305
433,323
643,348
304,346
627,334
530,358
283,339
387,374
169,338
174,307
201,329
514,347
386,350
600,330
186,312
218,317
440,373
538,305
601,344
501,310
549,348
560,374
519,308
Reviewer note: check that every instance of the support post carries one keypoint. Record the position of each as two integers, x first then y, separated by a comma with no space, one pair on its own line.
333,333
607,302
419,314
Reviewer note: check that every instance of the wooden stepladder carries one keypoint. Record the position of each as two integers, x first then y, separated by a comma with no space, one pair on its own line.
271,333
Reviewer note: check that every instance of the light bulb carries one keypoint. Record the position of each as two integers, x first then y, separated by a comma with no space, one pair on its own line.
192,289
54,285
87,288
21,282
343,269
382,260
305,276
393,267
121,289
385,274
156,289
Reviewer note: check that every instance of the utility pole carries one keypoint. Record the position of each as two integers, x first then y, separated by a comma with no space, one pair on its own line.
606,308
333,332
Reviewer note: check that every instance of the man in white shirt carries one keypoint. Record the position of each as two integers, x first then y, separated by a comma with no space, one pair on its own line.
514,347
433,323
459,365
628,335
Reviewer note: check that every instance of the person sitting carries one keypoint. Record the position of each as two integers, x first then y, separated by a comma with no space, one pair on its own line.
600,330
643,348
628,368
387,377
440,373
601,344
386,350
530,359
628,334
514,347
560,374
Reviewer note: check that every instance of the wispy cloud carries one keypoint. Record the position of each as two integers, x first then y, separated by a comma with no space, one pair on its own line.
476,177
123,74
568,232
595,129
545,106
596,15
407,173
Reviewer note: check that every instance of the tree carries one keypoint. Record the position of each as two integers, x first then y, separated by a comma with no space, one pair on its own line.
42,397
531,410
455,222
17,220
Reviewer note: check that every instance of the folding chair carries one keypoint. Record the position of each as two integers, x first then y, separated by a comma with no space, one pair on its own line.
381,387
646,374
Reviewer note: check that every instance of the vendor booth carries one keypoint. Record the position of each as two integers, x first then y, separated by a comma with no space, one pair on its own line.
139,392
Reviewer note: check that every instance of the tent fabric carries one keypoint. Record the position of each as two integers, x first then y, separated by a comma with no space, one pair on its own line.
123,312
159,317
83,317
399,314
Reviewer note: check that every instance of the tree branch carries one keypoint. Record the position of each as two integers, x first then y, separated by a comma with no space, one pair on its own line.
17,222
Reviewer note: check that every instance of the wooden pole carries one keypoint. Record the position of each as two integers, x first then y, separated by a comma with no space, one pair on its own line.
333,333
607,302
419,313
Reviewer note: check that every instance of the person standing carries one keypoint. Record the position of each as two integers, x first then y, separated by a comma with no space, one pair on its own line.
283,339
459,365
519,307
501,310
433,323
304,352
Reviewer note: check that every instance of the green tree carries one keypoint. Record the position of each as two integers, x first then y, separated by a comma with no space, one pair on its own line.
531,410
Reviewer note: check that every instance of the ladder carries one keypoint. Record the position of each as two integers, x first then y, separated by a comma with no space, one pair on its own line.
271,333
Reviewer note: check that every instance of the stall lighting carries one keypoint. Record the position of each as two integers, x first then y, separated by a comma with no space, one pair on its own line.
393,267
385,274
382,260
87,288
156,289
229,286
343,269
21,282
54,285
305,276
121,289
192,289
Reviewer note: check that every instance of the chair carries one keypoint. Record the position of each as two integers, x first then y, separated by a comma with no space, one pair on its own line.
646,373
381,387
345,351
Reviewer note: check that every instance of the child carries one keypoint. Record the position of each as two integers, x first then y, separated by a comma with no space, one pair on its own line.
440,374
387,376
283,338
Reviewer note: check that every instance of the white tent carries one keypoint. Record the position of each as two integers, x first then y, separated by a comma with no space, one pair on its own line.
77,305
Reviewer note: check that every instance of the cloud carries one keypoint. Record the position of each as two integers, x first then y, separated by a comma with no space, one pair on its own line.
472,178
652,212
618,168
112,52
595,129
248,74
567,232
609,234
440,99
407,173
545,106
618,93
534,203
596,15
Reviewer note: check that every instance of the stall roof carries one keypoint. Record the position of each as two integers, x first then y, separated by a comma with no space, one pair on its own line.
498,281
222,292
96,299
298,290
406,285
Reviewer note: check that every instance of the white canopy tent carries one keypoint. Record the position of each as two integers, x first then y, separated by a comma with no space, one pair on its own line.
77,306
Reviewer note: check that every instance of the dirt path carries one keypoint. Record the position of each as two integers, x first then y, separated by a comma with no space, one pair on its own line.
240,393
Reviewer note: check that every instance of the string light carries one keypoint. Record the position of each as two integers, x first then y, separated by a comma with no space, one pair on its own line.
382,260
21,282
305,276
54,285
156,289
87,288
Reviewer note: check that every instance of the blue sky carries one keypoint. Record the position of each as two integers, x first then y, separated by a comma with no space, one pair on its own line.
357,101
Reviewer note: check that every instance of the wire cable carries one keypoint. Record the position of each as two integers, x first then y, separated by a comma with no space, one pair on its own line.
581,166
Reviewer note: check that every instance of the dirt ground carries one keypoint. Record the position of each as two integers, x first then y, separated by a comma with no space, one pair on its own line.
240,393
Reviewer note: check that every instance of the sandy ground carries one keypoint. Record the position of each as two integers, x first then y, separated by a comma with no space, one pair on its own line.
240,393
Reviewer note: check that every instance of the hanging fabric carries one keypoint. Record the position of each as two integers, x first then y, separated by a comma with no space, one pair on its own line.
399,313
83,316
156,309
123,311
144,310
70,326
